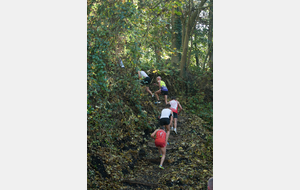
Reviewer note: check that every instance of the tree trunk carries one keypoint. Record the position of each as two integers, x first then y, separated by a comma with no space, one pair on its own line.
196,54
157,54
186,42
191,21
210,37
176,37
174,58
189,58
196,51
183,29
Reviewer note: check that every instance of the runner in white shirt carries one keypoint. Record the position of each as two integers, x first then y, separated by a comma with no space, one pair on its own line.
174,107
145,81
166,118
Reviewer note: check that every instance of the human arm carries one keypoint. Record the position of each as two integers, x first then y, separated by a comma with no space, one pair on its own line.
171,117
153,134
179,107
159,84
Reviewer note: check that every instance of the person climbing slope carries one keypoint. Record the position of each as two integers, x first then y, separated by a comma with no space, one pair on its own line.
160,142
174,107
166,118
162,90
145,81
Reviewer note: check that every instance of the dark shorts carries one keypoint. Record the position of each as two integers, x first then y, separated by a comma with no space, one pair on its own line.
146,81
175,115
164,92
164,121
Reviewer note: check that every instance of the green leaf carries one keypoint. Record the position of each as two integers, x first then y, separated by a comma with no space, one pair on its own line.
178,13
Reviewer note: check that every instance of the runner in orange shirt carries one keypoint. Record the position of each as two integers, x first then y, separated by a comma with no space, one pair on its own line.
160,142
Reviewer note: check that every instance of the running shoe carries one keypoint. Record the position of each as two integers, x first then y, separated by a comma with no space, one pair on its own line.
161,167
175,130
152,95
172,129
158,102
160,156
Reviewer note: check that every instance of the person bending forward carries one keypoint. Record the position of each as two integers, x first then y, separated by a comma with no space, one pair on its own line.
145,81
160,142
162,90
174,107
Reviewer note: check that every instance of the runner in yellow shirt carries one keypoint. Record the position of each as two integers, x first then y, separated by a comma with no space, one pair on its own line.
162,90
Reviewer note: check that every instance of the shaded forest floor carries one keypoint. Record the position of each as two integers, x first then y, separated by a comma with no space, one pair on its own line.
183,164
188,163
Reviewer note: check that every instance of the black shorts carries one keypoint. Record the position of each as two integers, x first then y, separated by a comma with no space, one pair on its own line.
146,81
175,115
164,121
164,92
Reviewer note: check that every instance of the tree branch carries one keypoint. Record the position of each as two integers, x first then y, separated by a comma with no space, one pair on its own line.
209,49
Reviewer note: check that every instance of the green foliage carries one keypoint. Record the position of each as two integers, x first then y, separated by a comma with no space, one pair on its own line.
120,114
178,29
196,105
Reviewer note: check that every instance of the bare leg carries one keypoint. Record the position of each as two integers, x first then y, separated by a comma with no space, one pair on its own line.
159,150
156,94
166,99
175,123
164,150
168,133
148,90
